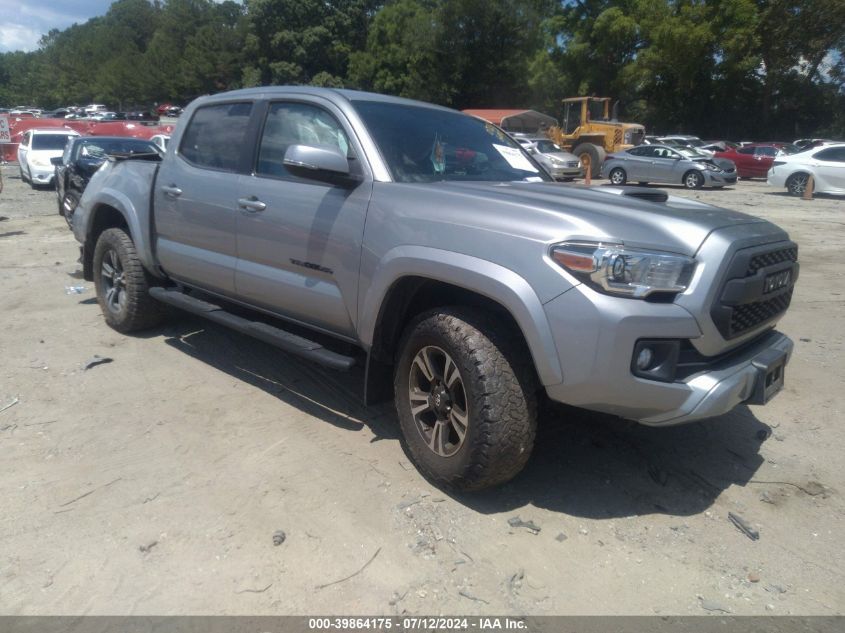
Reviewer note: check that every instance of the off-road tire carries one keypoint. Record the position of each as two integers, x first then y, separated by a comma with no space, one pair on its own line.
596,154
500,392
617,176
693,180
139,311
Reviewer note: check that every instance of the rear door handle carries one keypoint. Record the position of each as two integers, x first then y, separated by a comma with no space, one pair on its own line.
171,190
251,204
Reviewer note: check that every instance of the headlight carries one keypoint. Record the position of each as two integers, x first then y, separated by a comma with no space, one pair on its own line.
556,161
614,269
712,167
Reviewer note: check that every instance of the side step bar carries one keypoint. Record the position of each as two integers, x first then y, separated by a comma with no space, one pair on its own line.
274,336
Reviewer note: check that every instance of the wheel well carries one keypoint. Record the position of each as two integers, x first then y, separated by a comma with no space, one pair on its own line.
407,298
105,217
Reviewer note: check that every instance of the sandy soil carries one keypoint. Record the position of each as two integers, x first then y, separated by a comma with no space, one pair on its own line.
154,484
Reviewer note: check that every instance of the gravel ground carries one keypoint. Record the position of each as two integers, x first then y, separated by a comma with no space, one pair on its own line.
155,484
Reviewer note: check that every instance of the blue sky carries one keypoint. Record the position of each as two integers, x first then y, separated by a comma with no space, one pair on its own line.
25,21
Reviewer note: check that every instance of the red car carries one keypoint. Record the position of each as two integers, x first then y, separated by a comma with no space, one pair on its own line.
753,160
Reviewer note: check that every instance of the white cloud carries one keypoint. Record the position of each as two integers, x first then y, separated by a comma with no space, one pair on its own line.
16,37
38,19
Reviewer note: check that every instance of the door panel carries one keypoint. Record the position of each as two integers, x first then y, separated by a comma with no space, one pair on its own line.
830,167
299,255
195,198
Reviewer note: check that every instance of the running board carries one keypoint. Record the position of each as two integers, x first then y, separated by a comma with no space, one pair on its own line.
274,336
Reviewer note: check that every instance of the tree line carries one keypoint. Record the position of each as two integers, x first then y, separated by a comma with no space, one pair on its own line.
764,69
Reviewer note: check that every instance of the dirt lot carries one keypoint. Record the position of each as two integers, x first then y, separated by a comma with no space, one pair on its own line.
154,484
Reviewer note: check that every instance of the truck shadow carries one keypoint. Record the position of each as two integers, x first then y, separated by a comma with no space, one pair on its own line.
584,464
598,466
333,397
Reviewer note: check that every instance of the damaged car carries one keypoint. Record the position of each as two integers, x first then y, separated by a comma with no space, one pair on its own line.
668,165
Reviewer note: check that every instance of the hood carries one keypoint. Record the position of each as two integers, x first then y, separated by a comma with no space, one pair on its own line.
552,212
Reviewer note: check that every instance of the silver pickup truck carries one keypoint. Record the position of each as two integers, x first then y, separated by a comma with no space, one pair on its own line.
347,227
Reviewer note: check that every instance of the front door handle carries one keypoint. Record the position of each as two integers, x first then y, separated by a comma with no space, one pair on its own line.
251,204
171,190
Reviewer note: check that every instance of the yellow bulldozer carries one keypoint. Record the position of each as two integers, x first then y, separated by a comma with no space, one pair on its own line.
590,131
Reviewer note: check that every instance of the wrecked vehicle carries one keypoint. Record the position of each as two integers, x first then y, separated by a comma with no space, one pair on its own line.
427,246
667,164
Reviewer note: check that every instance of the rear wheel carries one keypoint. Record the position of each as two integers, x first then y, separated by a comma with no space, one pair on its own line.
796,184
123,285
693,180
618,176
466,399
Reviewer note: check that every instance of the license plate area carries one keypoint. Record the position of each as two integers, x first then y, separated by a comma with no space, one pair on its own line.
770,366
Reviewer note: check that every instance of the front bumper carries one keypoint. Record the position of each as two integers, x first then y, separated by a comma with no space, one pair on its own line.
566,172
719,179
41,175
597,361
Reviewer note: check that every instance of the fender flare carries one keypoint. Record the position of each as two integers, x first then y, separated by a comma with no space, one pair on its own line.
138,231
495,282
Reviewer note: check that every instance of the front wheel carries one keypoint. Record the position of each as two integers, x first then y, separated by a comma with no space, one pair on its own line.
618,176
123,285
466,399
693,180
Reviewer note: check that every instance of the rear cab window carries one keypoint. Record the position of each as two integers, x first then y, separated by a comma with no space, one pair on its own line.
215,136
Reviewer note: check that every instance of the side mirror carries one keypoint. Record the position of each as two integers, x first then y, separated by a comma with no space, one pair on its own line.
318,162
56,160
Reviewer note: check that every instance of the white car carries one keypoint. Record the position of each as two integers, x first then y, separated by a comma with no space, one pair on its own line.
826,164
36,149
161,140
95,108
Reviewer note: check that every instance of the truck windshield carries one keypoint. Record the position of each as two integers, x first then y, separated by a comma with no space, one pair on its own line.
422,144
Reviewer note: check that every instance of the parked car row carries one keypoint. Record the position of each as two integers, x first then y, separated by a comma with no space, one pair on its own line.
784,165
93,112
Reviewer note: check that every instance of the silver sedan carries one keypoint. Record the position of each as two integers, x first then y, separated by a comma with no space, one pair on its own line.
670,165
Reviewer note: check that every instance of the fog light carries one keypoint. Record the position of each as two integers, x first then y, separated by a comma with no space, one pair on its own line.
655,359
644,358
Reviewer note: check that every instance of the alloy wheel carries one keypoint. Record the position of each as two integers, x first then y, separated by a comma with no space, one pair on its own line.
438,401
114,283
798,184
693,180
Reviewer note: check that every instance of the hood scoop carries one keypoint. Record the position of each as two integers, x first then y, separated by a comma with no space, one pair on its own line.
652,195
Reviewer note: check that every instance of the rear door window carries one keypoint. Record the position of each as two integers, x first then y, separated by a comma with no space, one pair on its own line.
216,135
834,155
